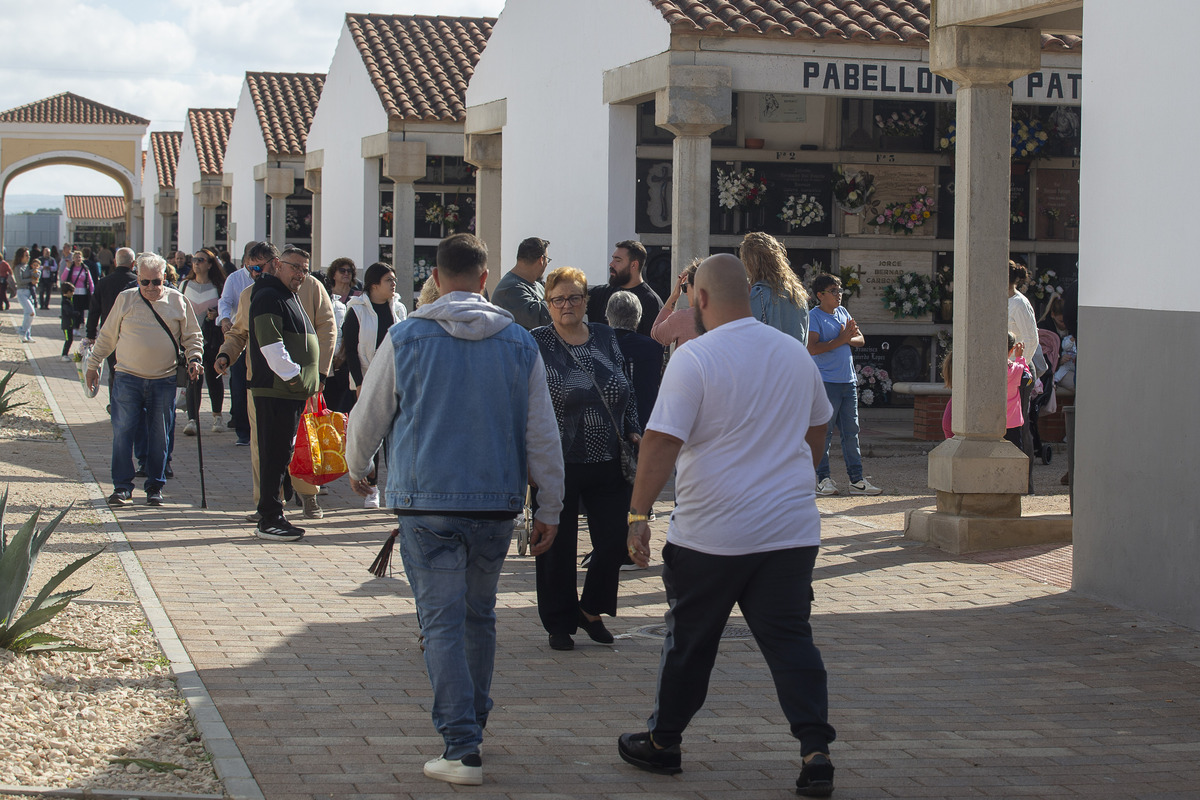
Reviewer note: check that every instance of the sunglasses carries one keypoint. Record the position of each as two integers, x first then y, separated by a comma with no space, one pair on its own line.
151,281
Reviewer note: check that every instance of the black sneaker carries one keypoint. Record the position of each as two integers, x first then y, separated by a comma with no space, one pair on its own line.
279,530
154,497
141,472
637,749
168,472
561,641
816,777
121,497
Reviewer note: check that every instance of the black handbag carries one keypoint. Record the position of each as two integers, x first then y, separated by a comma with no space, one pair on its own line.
182,378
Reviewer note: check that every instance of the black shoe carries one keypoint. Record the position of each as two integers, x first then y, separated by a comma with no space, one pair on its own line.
637,749
154,497
561,641
121,497
168,472
279,530
595,629
587,559
816,777
243,442
141,472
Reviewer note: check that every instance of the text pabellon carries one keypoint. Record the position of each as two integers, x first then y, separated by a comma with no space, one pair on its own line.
883,78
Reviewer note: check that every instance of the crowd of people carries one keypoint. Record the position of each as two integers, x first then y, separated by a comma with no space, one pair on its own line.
540,395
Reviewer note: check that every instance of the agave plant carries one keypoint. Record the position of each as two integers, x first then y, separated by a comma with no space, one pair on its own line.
6,394
17,559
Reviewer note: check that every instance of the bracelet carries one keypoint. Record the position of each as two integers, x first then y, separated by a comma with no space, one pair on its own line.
631,518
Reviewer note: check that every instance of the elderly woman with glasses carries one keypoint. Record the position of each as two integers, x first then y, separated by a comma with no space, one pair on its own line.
342,284
594,404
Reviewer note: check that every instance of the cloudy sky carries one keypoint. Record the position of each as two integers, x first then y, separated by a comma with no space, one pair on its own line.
157,58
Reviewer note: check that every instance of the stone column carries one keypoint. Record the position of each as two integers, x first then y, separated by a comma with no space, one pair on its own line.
980,477
696,102
280,183
314,163
404,164
209,197
167,205
485,151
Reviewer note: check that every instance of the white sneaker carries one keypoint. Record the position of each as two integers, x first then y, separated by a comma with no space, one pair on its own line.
66,358
864,487
190,430
467,772
633,567
372,501
826,487
218,425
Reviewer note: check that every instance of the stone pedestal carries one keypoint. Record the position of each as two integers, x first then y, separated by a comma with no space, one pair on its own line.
696,102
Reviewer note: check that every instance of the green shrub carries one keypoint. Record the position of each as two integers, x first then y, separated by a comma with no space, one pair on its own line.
6,403
17,560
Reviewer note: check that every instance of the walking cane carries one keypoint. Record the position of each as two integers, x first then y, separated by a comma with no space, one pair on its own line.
194,410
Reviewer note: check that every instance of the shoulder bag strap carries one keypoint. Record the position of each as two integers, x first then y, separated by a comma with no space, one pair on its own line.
592,375
178,350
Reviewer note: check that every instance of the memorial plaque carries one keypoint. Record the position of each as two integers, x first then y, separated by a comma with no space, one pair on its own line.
944,218
898,184
1057,204
792,180
876,270
904,358
779,107
421,228
653,196
1019,208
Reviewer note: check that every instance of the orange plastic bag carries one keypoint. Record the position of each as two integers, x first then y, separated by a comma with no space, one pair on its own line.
320,448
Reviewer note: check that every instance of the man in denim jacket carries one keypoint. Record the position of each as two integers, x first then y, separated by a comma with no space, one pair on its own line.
459,390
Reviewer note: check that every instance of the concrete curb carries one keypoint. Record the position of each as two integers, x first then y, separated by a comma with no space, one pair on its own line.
228,762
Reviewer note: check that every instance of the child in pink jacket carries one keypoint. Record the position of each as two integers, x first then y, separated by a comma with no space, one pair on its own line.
1018,371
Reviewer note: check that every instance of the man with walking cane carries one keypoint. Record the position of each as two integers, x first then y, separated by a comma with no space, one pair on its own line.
148,328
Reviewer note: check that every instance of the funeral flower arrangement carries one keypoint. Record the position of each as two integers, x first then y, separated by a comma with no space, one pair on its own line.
851,284
873,384
802,211
1028,138
910,295
906,217
945,142
1047,285
852,189
909,122
740,189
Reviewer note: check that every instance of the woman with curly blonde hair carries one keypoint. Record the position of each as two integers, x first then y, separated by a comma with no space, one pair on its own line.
777,296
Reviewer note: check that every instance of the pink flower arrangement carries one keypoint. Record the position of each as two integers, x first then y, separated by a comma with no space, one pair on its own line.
906,217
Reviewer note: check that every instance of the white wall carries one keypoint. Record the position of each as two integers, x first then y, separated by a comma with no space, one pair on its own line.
244,152
186,174
152,220
349,110
1134,202
548,58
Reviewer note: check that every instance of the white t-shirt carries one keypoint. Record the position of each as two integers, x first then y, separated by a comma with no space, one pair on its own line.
742,397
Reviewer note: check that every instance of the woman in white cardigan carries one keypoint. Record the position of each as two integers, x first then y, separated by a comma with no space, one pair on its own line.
368,318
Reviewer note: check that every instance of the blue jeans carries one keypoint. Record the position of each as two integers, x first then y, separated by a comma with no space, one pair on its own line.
25,298
844,399
141,404
453,565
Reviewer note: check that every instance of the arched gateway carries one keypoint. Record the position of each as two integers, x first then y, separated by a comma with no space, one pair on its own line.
75,131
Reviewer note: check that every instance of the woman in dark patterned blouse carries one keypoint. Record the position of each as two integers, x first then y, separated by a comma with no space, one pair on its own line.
583,360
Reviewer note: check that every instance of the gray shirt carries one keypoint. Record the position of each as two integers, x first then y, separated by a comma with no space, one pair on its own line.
525,300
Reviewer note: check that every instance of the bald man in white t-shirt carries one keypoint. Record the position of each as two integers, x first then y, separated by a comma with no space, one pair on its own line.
741,412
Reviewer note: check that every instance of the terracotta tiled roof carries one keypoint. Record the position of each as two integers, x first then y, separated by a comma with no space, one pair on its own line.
165,147
285,103
210,134
70,109
79,206
886,21
420,65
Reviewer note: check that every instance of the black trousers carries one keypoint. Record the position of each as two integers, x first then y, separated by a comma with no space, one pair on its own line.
606,495
774,592
216,387
45,290
277,423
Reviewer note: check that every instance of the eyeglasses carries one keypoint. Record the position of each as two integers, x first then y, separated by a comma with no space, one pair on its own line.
199,260
295,266
346,270
150,281
561,302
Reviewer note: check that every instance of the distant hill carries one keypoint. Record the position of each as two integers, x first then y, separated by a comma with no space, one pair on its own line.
16,203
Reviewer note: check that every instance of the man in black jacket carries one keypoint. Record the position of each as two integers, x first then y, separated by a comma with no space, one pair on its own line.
107,289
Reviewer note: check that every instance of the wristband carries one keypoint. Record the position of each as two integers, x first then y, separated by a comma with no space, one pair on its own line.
631,518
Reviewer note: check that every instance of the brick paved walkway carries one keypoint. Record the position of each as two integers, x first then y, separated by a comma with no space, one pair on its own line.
949,678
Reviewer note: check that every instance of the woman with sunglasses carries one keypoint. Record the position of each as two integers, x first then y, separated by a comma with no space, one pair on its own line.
203,291
595,407
340,281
